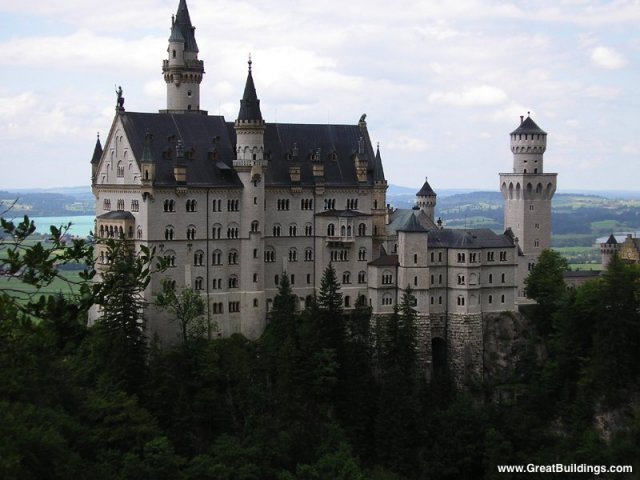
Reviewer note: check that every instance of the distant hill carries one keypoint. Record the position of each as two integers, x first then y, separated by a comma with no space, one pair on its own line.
48,202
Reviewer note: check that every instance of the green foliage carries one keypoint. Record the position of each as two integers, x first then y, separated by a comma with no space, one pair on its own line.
545,284
187,308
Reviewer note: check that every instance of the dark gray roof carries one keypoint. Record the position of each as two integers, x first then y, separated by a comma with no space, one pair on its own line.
183,23
581,273
412,225
209,145
400,216
473,238
528,126
205,139
97,152
385,261
116,215
250,105
426,190
611,240
342,213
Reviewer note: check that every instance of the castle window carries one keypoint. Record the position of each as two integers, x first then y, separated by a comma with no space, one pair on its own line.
308,279
387,300
490,299
432,300
233,257
461,257
531,208
491,278
233,281
135,206
106,204
217,308
440,300
346,278
362,230
331,230
343,231
199,283
308,255
293,255
233,231
460,300
169,205
375,230
234,307
433,257
255,303
306,204
120,169
216,231
503,256
536,243
217,283
503,278
216,205
269,255
191,205
472,258
362,254
233,205
255,253
415,281
293,279
120,205
347,301
362,277
308,229
537,226
276,280
276,230
460,279
283,204
440,279
170,258
490,256
255,278
255,226
415,258
439,256
502,299
168,233
198,258
352,203
432,280
139,233
191,232
387,278
174,53
216,257
329,203
293,230
189,93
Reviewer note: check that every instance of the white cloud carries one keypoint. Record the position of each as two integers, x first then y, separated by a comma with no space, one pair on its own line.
608,58
405,143
479,96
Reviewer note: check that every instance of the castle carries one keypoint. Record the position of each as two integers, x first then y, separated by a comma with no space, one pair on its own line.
233,206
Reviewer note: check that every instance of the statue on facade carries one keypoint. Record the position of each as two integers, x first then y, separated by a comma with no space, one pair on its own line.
120,101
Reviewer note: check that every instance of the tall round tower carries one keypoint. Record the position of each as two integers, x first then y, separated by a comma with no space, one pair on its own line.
182,70
528,144
607,250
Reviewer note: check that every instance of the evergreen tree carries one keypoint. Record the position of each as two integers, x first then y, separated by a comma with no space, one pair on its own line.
330,308
188,309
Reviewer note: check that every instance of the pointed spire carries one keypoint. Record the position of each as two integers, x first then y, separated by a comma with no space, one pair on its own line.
378,171
249,105
426,190
181,27
97,151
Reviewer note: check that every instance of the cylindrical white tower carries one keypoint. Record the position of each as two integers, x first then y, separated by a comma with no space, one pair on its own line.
528,144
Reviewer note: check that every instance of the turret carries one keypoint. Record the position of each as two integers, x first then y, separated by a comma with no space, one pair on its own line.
249,127
426,199
528,144
607,250
182,70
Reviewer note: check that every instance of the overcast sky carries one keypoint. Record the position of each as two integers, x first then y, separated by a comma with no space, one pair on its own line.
442,82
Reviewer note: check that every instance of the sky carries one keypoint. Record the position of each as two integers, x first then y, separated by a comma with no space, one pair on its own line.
442,82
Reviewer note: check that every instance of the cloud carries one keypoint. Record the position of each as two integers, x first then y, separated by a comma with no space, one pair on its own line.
480,96
407,144
608,58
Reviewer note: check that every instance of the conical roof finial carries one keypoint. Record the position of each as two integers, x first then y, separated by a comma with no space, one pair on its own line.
249,62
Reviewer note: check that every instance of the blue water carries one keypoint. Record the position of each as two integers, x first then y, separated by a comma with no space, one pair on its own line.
80,225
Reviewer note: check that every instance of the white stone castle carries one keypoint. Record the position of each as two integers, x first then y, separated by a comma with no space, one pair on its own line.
235,205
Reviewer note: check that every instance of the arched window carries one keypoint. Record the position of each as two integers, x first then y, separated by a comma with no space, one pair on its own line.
362,277
170,257
198,258
276,230
168,232
233,231
233,257
343,231
293,255
308,229
362,254
346,278
120,169
191,232
233,281
269,255
387,277
308,254
216,231
387,299
216,257
362,230
293,230
331,230
255,226
199,283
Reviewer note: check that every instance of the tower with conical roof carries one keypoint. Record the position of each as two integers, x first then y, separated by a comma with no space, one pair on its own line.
527,193
426,199
379,210
250,165
182,70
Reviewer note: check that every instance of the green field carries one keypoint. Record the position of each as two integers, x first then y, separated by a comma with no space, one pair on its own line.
67,285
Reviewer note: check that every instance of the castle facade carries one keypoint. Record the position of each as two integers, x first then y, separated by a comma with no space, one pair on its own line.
233,206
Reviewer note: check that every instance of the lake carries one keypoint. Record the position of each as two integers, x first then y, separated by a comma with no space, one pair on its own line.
80,225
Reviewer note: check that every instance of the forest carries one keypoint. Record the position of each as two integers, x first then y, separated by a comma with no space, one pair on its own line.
322,394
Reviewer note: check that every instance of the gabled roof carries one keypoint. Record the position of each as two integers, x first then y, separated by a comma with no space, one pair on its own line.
116,215
528,126
426,190
97,152
182,22
412,225
249,105
400,217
